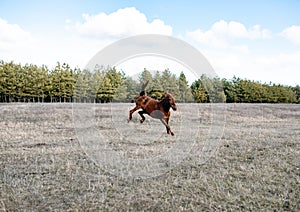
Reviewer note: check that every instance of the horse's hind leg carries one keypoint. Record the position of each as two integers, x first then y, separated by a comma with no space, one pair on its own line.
142,115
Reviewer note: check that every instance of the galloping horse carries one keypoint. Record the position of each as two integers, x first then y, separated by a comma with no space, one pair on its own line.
155,109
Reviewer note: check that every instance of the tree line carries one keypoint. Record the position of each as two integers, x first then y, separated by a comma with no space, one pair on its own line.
32,83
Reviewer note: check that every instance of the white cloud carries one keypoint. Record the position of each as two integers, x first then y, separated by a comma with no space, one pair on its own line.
123,22
21,46
292,33
280,68
235,29
232,49
226,45
12,36
222,34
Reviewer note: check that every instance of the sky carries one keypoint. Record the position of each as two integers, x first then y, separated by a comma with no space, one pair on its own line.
256,40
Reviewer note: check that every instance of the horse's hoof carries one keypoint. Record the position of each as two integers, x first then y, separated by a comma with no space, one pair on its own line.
142,121
172,133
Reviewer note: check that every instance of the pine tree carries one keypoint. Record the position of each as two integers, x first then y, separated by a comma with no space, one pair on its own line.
296,91
121,93
165,80
133,88
2,82
67,83
11,81
185,94
199,91
157,91
146,76
106,91
81,87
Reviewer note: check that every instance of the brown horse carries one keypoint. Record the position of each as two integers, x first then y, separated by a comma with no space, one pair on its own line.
155,109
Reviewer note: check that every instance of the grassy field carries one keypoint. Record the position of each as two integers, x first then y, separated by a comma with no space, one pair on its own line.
86,156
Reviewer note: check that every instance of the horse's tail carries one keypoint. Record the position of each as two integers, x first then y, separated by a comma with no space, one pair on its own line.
144,85
143,93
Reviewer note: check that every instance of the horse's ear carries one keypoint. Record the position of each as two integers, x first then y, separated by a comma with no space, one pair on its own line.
167,95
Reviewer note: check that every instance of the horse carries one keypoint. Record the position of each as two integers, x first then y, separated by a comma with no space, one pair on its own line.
154,108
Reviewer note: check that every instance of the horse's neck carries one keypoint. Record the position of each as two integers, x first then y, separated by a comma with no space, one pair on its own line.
165,104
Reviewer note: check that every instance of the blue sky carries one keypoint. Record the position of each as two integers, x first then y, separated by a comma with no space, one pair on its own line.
258,40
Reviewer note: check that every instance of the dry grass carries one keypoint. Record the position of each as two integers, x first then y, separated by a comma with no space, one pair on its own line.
256,164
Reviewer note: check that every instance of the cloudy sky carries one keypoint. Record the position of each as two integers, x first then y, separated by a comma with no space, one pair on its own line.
257,40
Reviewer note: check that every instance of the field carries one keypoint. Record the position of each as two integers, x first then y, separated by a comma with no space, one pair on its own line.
88,157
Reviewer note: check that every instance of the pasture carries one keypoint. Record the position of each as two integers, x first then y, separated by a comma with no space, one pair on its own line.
88,157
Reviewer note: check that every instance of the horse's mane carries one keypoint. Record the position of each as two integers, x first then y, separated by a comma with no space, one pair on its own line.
165,102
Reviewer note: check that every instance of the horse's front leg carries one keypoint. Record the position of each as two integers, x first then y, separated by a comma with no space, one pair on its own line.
165,122
132,111
142,115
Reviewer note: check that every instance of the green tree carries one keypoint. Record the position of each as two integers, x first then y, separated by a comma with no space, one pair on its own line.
111,84
185,94
208,90
296,91
199,91
116,78
10,70
67,83
121,93
165,80
55,93
3,77
133,88
30,83
229,90
45,82
157,91
144,77
106,91
81,87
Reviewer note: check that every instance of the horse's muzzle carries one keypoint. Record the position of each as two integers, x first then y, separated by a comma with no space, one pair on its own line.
174,107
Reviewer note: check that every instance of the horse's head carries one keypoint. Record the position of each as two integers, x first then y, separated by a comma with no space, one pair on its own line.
171,101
